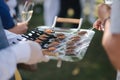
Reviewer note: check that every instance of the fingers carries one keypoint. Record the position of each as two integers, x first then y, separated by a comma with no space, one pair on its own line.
98,24
36,54
22,27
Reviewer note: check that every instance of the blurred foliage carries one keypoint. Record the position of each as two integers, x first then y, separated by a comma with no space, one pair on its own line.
94,66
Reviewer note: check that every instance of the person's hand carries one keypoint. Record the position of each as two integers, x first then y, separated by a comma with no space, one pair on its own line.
98,24
29,52
36,54
20,28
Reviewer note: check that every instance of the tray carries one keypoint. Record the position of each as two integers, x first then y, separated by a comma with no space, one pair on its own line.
81,50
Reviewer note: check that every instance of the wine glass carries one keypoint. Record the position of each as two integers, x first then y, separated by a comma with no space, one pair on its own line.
109,2
27,12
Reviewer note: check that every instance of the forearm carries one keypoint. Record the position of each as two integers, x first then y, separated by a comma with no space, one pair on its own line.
111,44
15,30
20,28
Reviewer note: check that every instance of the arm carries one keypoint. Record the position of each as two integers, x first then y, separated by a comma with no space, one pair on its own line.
111,43
8,22
111,38
24,52
20,28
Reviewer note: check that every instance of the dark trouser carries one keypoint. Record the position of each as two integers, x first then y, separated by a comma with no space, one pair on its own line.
3,40
65,5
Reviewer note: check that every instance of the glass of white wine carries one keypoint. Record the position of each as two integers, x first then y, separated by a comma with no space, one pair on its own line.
27,12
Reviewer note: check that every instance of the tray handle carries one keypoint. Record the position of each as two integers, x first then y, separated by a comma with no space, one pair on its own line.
67,20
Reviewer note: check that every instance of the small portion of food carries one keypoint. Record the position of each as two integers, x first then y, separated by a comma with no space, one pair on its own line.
60,36
54,44
70,52
49,31
70,43
51,48
44,36
81,33
75,39
49,53
71,47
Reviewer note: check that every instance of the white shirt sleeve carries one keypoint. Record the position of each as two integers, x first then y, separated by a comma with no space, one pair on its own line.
13,38
22,51
9,57
115,17
7,64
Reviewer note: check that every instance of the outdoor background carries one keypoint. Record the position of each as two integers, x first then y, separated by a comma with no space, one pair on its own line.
94,66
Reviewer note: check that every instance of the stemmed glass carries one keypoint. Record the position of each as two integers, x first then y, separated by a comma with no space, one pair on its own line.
27,11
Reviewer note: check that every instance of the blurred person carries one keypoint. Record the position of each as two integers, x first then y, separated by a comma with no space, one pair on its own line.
51,9
111,38
91,8
67,4
8,22
12,5
12,55
111,34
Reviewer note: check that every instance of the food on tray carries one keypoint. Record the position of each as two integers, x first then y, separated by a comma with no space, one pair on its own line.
70,43
75,39
60,36
53,44
48,31
38,41
70,51
49,53
51,48
71,47
81,33
57,43
43,36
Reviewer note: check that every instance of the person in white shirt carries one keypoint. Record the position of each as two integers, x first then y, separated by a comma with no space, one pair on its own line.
27,52
51,9
23,52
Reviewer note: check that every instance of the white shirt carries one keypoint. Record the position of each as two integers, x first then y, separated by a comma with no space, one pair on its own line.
51,9
23,52
19,53
115,17
11,56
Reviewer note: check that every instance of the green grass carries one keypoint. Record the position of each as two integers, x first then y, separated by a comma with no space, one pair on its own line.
94,66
